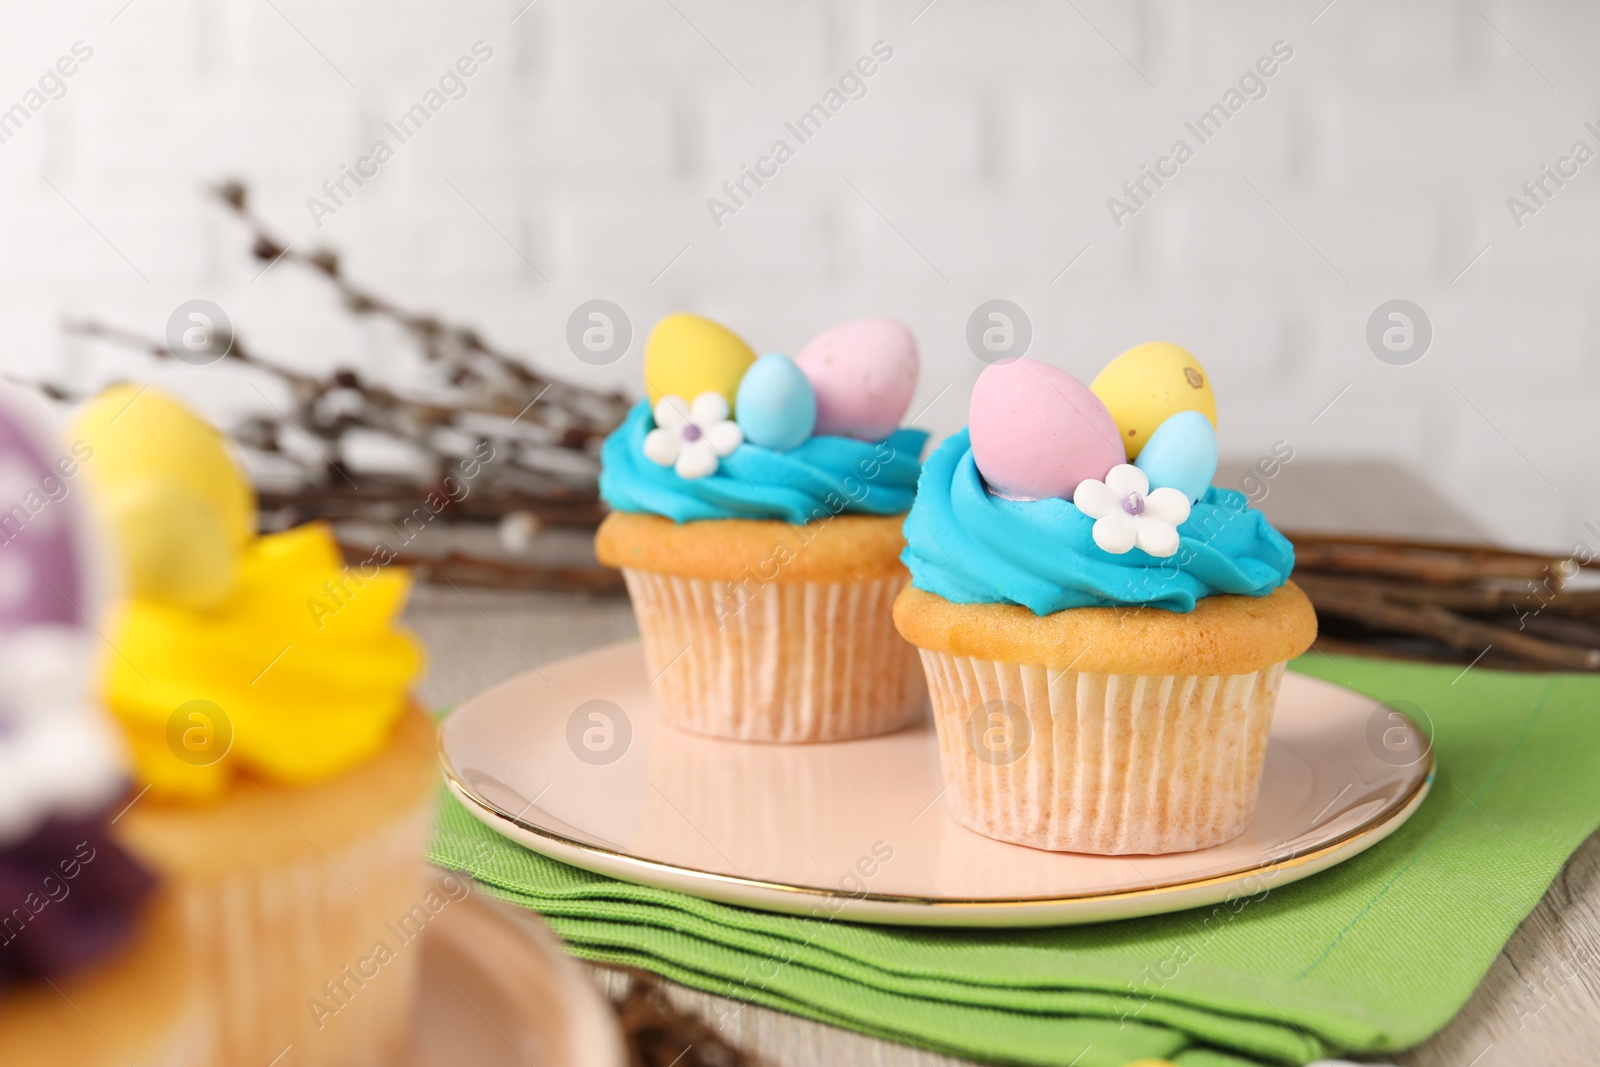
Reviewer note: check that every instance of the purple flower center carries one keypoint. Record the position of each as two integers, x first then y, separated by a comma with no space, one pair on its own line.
691,432
1133,503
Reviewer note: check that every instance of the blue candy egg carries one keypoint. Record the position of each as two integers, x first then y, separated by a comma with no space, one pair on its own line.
776,406
1181,454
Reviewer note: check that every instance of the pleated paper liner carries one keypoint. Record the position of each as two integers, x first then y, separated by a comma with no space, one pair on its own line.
302,906
1109,764
798,661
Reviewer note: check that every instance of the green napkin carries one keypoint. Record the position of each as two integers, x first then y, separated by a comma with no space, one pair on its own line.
1373,955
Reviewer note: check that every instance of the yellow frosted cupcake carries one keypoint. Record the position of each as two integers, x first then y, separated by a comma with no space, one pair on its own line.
756,511
1103,640
286,777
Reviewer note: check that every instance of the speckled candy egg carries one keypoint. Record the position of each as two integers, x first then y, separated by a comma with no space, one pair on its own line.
687,355
1181,455
1147,385
1037,431
777,408
864,372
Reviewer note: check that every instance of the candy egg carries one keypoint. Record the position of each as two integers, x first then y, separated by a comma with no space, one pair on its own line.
687,355
1147,385
1181,455
180,507
777,407
42,571
1037,431
864,372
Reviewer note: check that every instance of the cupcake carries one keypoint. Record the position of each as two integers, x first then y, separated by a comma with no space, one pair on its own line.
1103,631
92,963
284,777
756,514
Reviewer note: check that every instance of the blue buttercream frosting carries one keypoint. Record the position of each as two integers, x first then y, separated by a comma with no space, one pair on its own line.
970,547
823,476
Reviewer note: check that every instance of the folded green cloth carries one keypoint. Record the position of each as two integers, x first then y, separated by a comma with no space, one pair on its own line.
1373,955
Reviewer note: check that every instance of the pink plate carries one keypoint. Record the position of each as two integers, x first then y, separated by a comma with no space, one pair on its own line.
572,761
498,990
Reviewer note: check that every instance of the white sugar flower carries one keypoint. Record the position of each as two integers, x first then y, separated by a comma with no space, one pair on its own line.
692,439
1128,513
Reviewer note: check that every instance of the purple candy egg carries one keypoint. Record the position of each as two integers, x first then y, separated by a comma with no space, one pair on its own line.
41,561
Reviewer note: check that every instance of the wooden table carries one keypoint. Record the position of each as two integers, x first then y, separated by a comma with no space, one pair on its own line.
1524,1013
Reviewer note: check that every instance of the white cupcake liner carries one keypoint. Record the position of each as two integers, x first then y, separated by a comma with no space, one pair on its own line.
267,940
792,661
1109,764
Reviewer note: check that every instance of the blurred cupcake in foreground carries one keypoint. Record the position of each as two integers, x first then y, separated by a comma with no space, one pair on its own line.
262,687
756,512
92,961
1103,631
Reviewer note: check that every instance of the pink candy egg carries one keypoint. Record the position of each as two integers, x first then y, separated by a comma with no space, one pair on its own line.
1037,431
863,372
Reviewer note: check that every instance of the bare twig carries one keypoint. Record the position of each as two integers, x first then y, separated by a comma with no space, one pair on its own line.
660,1035
1427,565
1422,600
1469,599
464,569
1457,632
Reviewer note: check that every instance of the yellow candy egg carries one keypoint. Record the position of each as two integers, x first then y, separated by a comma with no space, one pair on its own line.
1147,385
174,547
687,355
181,509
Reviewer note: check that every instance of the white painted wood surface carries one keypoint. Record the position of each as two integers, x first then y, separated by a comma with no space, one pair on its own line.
1539,1004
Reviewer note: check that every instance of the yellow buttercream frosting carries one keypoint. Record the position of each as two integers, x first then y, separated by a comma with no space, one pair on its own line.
293,671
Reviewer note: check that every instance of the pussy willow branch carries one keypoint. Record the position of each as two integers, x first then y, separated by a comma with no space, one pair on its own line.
307,389
502,382
546,432
505,485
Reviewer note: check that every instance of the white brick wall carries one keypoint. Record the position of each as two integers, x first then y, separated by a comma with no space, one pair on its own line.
980,157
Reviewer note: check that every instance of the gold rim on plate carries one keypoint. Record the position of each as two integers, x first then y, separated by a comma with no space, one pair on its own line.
1377,822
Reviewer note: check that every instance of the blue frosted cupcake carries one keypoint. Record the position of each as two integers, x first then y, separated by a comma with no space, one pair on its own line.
756,515
1103,639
